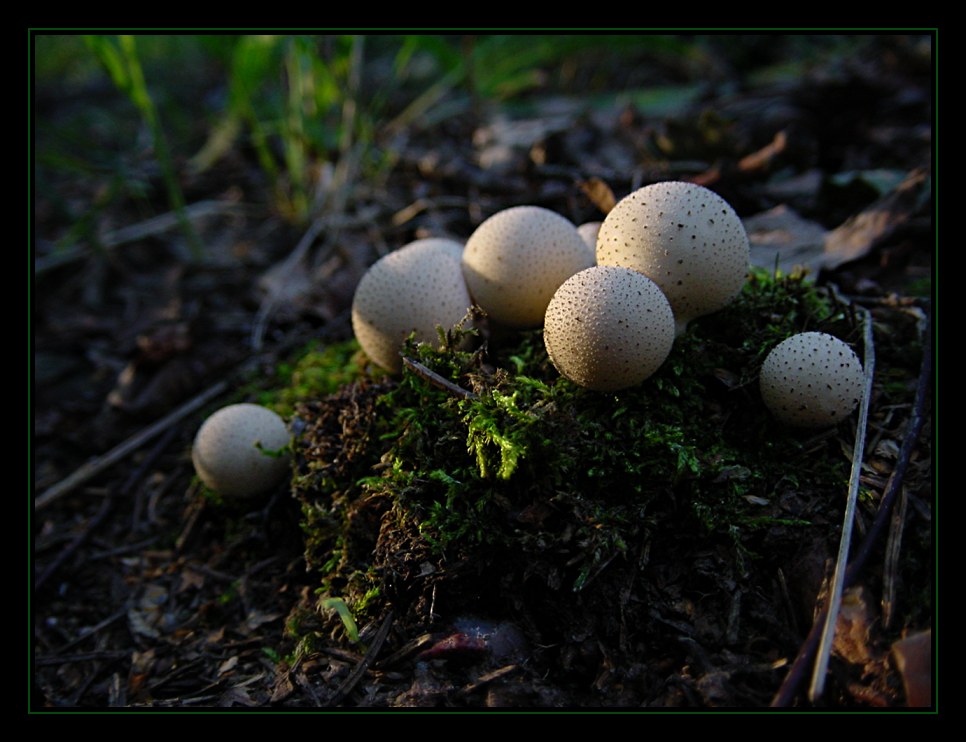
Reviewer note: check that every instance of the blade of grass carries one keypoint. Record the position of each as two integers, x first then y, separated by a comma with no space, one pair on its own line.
251,64
298,68
124,66
338,605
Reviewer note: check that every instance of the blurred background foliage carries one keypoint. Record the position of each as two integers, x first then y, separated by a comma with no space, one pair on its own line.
314,111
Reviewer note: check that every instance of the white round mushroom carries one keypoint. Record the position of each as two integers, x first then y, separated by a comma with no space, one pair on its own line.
413,289
516,259
236,450
684,237
811,380
608,328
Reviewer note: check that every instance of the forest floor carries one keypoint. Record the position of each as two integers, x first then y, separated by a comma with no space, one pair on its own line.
146,594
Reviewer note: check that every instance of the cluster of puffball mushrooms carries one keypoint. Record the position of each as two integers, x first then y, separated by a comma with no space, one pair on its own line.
611,298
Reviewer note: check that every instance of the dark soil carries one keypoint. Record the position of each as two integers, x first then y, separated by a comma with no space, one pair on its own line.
146,593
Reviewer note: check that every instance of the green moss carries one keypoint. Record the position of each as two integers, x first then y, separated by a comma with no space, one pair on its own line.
317,371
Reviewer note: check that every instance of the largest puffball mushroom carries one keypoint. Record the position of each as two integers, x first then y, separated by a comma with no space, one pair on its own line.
685,238
517,258
608,328
412,289
236,451
811,380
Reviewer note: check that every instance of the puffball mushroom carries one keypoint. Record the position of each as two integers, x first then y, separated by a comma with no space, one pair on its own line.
608,328
811,380
412,289
233,450
684,237
517,258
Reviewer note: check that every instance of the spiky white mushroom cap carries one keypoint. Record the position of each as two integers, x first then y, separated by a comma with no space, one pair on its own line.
412,289
684,237
233,450
811,380
516,259
608,328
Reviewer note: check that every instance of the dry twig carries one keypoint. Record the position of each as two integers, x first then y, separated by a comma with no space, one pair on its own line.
838,579
436,380
359,670
149,228
100,463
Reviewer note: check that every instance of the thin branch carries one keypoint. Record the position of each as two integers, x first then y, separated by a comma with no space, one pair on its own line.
838,579
359,670
90,632
420,205
133,232
85,657
424,101
100,463
286,267
76,542
124,549
890,569
434,378
916,422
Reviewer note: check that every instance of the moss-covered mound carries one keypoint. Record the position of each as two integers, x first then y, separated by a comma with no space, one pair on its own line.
482,482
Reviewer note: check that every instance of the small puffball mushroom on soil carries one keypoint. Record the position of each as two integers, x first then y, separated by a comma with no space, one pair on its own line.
608,328
685,238
414,288
516,259
233,450
811,380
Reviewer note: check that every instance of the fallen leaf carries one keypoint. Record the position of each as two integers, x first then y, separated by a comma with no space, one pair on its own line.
255,618
190,579
862,232
599,193
503,141
283,688
142,662
854,626
236,696
882,180
781,238
913,657
144,618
